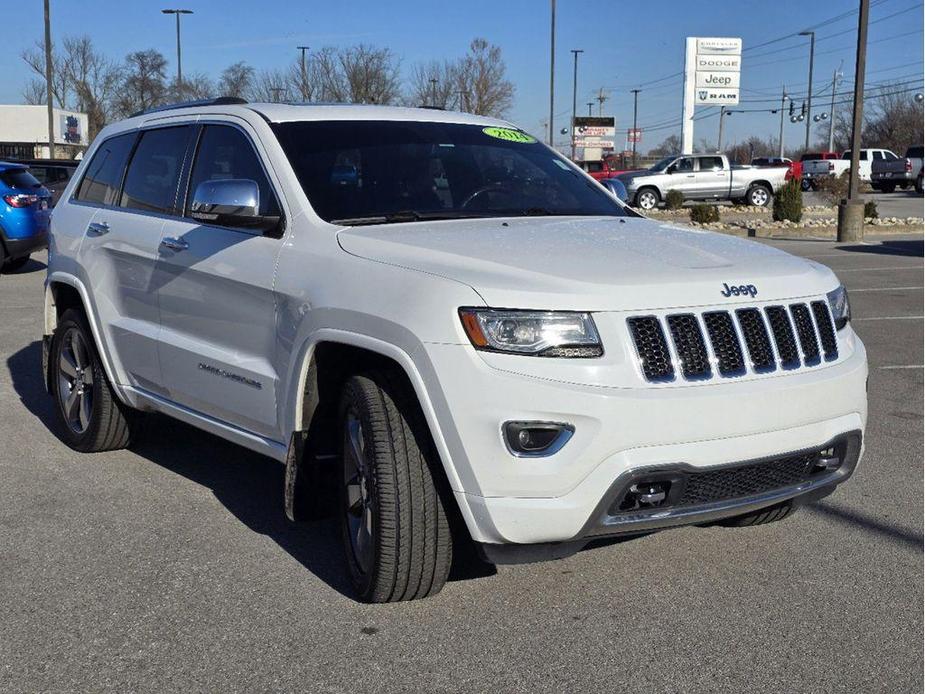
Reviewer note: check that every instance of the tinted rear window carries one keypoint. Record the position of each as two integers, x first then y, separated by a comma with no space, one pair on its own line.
101,183
19,178
154,172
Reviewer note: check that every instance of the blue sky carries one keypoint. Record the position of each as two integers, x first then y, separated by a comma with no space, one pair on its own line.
626,44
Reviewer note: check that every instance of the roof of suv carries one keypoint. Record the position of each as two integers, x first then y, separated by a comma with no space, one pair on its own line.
286,113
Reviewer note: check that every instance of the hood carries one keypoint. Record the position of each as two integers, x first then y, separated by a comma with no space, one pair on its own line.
590,263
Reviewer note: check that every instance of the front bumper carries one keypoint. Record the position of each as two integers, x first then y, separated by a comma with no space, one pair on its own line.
507,499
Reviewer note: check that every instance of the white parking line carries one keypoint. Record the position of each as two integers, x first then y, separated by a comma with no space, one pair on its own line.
901,366
891,318
884,289
860,256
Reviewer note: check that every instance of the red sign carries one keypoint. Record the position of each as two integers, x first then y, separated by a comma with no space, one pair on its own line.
634,135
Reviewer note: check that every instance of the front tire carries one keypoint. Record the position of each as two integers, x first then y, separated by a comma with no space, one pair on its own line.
758,196
647,199
90,416
395,530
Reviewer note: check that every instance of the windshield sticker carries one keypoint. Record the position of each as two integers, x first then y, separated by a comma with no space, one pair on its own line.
509,134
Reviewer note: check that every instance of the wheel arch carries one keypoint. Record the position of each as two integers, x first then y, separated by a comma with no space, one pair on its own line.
332,355
62,292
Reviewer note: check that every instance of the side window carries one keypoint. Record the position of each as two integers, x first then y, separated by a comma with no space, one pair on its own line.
863,155
878,155
224,153
711,163
103,177
154,172
685,164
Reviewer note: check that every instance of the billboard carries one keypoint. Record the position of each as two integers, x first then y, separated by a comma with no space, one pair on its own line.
712,68
593,135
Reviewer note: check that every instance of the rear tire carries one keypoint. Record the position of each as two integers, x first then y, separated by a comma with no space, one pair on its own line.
762,517
395,530
90,416
918,184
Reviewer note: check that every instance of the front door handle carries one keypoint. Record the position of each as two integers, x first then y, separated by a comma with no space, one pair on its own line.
174,244
97,228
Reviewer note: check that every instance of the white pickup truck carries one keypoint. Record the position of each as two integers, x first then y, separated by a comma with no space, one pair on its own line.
817,169
702,177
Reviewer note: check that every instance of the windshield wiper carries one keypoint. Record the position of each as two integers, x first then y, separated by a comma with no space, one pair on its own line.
406,216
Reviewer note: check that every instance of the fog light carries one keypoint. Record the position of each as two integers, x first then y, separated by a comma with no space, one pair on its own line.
534,439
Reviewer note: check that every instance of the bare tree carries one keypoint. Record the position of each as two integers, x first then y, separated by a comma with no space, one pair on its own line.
436,84
482,80
894,120
271,86
34,92
370,74
670,145
94,79
194,87
236,80
145,82
327,76
35,58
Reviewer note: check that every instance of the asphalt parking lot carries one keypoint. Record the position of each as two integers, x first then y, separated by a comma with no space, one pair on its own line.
171,567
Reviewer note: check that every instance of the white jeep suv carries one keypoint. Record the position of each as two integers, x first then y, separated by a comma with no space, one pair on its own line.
435,321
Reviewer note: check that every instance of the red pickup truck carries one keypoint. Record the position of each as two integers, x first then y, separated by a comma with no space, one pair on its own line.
607,167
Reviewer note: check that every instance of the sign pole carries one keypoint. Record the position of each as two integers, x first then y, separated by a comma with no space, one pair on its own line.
687,115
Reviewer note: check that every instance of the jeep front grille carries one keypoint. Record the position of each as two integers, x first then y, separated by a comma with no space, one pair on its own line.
729,344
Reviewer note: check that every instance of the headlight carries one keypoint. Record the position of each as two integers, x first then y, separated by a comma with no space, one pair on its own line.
841,309
537,333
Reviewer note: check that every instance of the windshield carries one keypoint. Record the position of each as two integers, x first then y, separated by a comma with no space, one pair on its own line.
369,172
662,165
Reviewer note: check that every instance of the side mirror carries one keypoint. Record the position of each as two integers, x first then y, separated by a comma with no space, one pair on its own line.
233,202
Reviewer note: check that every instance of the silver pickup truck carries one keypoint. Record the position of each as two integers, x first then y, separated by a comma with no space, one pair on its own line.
887,174
702,177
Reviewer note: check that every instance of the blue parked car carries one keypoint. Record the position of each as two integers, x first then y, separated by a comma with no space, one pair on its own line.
24,215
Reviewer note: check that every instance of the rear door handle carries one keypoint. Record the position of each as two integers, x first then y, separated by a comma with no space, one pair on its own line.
97,228
174,244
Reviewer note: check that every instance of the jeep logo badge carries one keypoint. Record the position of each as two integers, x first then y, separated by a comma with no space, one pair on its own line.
740,290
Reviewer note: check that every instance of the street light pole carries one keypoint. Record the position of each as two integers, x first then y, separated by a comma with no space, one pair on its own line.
177,13
832,112
635,130
575,52
48,83
851,211
304,85
783,99
809,94
590,104
552,69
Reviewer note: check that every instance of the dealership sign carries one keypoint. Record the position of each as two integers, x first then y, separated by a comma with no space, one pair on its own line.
712,67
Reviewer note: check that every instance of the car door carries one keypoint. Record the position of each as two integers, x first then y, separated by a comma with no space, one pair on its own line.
119,250
712,177
215,288
682,177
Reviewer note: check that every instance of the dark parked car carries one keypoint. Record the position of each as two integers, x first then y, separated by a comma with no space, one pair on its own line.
54,174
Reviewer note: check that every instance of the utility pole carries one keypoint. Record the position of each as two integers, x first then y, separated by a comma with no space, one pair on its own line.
601,98
590,104
809,94
851,211
635,130
722,118
304,85
783,100
48,83
575,53
835,76
433,91
177,13
552,70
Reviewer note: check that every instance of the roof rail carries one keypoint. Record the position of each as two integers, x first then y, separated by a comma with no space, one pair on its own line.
218,101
